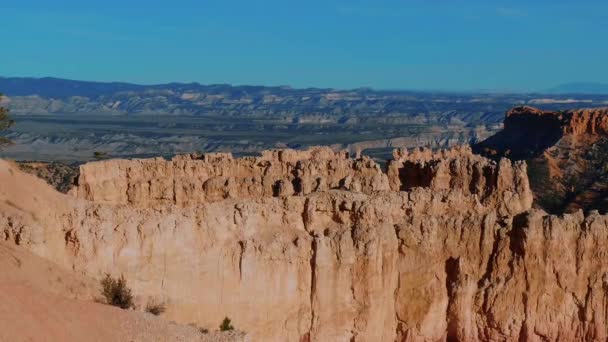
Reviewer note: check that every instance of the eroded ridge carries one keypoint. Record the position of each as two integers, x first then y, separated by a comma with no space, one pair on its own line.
193,179
443,246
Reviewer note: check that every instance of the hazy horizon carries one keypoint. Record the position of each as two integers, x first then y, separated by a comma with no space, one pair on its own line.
455,91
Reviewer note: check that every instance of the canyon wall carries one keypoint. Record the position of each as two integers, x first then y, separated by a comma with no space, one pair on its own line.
566,153
318,246
576,122
529,132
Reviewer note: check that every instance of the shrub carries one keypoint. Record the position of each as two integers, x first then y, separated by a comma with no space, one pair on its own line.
226,325
100,155
116,292
200,329
155,308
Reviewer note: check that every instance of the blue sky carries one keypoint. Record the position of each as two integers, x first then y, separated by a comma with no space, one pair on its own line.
432,44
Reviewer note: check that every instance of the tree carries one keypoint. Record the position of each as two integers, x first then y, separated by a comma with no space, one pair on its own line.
5,123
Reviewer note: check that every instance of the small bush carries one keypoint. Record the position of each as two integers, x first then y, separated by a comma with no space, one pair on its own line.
155,308
116,292
226,325
200,329
100,155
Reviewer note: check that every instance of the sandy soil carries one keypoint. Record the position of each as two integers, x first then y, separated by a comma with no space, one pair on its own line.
39,301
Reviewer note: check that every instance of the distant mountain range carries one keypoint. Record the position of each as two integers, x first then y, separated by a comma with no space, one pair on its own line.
58,88
61,88
580,88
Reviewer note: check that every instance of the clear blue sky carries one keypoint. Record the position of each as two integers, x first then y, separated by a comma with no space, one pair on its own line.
449,45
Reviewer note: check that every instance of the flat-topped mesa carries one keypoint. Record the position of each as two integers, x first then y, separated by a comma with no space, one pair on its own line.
503,184
193,179
575,122
528,131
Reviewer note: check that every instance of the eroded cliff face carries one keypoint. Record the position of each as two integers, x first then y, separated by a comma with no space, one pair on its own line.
528,132
566,153
189,180
443,246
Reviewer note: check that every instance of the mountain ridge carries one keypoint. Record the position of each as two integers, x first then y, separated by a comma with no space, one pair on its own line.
580,88
17,87
55,86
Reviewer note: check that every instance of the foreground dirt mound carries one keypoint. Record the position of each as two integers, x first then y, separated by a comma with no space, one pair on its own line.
318,246
19,266
566,152
40,301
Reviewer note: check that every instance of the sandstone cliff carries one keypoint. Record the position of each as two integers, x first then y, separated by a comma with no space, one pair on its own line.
567,155
528,131
317,246
190,180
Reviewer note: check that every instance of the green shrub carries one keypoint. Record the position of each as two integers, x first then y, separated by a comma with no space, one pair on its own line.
226,325
116,292
100,155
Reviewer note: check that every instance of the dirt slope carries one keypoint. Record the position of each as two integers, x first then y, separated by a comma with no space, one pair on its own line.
40,301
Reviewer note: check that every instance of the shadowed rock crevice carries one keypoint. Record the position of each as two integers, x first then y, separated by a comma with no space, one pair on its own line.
527,133
452,271
414,175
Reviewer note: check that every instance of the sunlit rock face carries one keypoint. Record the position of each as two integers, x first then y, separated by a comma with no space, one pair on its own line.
566,153
320,246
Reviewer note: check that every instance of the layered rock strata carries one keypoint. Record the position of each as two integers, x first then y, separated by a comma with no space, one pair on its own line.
528,132
189,180
566,153
443,246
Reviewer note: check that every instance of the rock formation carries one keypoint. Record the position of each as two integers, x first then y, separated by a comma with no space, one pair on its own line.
529,131
567,155
317,246
190,180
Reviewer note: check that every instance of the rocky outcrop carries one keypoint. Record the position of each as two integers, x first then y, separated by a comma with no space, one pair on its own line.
443,246
565,151
501,185
576,122
189,180
528,131
587,121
